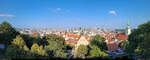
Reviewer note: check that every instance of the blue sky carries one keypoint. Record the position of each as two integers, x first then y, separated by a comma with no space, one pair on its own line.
66,13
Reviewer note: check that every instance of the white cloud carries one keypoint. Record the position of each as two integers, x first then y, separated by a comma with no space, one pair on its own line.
6,15
58,9
55,10
113,12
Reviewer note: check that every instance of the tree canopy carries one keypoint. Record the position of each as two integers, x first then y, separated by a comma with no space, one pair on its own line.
7,33
139,41
124,44
97,47
96,52
56,46
19,41
99,41
38,50
81,51
17,49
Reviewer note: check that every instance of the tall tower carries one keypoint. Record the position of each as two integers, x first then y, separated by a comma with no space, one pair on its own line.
82,31
128,30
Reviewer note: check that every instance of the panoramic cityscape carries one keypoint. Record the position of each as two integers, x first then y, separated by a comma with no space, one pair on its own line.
75,29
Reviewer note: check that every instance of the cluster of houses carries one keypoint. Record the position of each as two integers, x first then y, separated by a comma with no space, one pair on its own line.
72,39
113,40
78,37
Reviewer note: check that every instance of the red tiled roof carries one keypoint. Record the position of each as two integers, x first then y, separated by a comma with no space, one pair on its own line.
74,39
35,33
110,36
121,36
70,41
72,35
112,45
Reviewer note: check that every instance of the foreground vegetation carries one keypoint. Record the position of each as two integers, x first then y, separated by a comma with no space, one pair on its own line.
137,45
28,46
139,42
51,46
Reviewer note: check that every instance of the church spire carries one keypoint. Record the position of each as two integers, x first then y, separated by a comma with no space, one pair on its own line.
128,23
82,31
128,30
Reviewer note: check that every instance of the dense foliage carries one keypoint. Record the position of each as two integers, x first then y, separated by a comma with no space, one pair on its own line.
17,49
30,46
124,44
99,41
56,46
7,33
81,51
139,41
97,47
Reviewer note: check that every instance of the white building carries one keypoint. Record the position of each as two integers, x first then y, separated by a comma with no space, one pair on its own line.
128,30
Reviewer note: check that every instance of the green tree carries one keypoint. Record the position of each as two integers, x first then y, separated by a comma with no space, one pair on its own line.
97,47
81,51
56,46
99,41
8,33
19,41
143,47
30,39
34,48
96,52
139,41
124,44
14,51
60,54
58,41
25,48
38,50
18,49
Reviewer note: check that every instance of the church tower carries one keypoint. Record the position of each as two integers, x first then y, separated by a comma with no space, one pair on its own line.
128,30
82,31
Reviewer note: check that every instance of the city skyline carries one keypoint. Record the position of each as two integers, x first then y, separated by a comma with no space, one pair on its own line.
74,13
